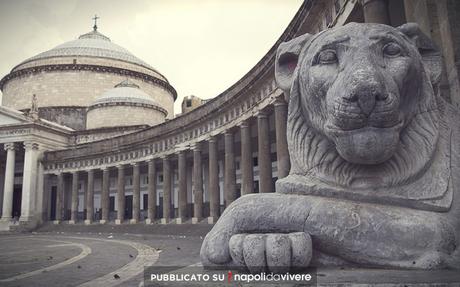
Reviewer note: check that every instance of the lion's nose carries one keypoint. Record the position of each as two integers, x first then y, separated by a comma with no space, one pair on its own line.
366,101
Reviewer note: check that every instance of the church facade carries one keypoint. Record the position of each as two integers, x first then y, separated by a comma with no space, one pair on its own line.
88,132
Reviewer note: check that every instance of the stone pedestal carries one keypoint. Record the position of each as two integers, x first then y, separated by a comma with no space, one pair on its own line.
103,221
164,221
71,222
149,221
196,220
118,221
88,221
212,220
133,221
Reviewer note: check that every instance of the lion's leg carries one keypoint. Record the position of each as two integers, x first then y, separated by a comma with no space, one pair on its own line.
261,213
378,235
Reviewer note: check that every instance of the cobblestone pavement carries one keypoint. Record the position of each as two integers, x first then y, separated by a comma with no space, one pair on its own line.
74,256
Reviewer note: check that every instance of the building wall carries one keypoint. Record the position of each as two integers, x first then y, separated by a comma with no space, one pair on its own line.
112,116
74,88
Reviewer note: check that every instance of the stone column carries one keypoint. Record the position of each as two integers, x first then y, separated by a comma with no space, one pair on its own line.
59,198
41,196
229,169
29,181
120,195
136,193
182,168
282,153
9,182
152,192
74,207
197,186
90,198
246,163
265,163
167,187
376,11
214,201
105,195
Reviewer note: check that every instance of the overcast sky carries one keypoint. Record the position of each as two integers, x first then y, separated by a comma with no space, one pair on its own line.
202,47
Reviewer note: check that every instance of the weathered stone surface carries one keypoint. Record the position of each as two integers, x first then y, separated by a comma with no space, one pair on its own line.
374,171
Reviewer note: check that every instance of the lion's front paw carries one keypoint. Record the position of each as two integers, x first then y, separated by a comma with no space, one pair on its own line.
275,252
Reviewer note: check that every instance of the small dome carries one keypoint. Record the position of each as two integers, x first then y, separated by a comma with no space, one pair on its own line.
92,44
125,92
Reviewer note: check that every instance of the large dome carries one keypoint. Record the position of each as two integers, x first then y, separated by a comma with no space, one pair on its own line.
125,92
92,44
70,78
126,98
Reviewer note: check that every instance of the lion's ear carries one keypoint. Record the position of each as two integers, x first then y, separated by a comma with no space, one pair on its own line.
431,55
287,57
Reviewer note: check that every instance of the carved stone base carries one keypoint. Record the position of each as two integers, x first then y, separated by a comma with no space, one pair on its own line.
164,221
118,221
196,220
88,222
71,222
133,221
103,221
149,221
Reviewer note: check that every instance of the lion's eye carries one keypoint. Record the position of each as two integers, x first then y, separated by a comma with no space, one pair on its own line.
327,57
391,49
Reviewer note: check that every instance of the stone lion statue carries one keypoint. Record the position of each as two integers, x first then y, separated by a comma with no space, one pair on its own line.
374,179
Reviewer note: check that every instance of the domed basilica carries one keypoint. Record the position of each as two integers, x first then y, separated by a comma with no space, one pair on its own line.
88,133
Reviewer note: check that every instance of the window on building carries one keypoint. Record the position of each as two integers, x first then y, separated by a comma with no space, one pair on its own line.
160,178
74,61
188,103
256,161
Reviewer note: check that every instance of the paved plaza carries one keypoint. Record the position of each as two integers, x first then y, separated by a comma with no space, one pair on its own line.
87,258
109,255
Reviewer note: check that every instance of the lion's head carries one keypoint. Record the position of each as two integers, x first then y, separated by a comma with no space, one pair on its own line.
364,109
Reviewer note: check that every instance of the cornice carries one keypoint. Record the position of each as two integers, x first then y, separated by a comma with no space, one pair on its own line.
88,67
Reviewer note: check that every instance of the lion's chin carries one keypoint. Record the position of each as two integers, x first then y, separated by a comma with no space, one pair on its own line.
369,145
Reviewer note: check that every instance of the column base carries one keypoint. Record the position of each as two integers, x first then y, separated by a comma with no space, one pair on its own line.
88,221
103,221
56,222
179,220
164,220
212,220
149,221
133,221
196,220
118,221
6,219
71,222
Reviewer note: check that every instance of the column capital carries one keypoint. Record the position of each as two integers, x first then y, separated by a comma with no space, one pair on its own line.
196,146
262,114
90,170
30,145
280,101
103,168
9,146
212,139
244,124
120,166
134,164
